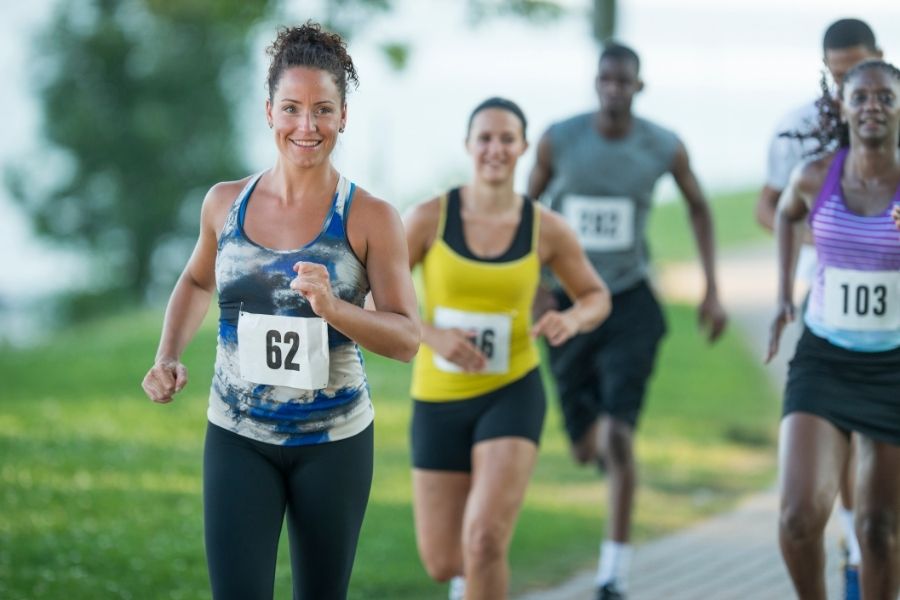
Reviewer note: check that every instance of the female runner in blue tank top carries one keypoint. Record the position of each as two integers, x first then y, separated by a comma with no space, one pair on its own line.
845,376
292,253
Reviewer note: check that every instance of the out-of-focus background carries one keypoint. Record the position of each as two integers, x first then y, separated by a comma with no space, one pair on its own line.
96,90
119,115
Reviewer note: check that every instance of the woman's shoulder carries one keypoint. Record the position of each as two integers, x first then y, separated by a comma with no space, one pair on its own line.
372,216
223,194
371,205
811,174
551,221
219,200
427,212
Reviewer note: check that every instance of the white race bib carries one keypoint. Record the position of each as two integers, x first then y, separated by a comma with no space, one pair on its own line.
862,300
288,351
602,223
489,332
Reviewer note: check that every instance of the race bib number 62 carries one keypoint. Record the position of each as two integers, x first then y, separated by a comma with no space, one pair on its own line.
288,351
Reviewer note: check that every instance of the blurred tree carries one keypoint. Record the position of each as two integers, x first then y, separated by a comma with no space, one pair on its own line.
132,93
535,10
604,20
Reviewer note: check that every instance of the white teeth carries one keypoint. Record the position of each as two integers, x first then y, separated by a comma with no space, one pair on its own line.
305,143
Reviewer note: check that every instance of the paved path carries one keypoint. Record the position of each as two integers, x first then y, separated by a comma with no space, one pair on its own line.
733,556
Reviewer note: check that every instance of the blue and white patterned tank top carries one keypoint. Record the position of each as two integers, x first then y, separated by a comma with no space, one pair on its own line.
257,280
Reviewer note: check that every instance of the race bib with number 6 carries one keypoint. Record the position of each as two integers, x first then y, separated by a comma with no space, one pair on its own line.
862,300
287,351
489,332
602,224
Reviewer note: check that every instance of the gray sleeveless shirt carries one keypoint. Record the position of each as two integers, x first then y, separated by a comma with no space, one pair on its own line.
604,189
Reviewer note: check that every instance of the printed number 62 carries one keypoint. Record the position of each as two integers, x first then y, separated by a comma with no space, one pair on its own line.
273,349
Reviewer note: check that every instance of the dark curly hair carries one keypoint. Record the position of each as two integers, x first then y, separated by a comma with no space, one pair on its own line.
830,132
310,46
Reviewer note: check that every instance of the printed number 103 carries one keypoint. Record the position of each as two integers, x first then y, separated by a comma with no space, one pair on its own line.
863,299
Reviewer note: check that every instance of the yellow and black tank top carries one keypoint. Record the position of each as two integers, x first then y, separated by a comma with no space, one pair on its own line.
489,298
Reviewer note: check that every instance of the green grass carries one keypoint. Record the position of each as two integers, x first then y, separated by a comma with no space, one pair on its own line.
100,488
671,237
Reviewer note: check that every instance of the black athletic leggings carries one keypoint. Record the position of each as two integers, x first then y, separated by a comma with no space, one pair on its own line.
247,485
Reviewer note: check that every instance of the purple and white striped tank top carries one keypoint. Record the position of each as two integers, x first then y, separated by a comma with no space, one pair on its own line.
855,298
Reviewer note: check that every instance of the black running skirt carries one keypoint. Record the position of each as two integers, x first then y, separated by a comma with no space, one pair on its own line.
855,391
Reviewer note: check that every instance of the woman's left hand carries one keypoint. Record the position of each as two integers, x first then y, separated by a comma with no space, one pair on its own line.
313,283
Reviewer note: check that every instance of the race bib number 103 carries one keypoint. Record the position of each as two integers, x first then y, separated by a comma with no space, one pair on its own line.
862,300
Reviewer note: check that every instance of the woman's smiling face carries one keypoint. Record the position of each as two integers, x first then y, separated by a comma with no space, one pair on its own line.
307,114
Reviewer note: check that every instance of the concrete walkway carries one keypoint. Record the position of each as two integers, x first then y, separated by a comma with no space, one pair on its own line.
734,556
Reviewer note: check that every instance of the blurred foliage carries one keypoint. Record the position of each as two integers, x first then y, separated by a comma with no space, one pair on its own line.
604,20
536,10
132,94
397,54
349,16
602,13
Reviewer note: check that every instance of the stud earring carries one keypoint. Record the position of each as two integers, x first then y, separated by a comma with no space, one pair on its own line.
341,130
270,124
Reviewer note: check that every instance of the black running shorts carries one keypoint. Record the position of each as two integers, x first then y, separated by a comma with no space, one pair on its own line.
605,371
855,391
443,433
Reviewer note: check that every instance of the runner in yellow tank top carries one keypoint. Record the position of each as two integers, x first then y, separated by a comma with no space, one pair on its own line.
479,403
488,300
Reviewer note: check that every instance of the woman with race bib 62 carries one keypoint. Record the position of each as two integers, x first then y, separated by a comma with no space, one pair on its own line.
292,252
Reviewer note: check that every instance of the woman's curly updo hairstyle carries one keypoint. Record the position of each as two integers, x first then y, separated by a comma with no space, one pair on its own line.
310,46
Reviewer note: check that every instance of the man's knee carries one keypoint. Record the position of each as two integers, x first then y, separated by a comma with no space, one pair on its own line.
617,444
584,448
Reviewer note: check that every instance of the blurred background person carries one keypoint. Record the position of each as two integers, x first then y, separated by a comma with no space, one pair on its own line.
478,396
599,170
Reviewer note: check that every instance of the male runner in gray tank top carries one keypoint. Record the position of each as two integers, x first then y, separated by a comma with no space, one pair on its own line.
599,170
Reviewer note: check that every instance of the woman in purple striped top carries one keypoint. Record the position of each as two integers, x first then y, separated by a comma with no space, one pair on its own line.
844,380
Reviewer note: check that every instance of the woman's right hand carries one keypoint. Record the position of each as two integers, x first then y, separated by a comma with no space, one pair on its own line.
165,379
785,315
455,345
896,214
